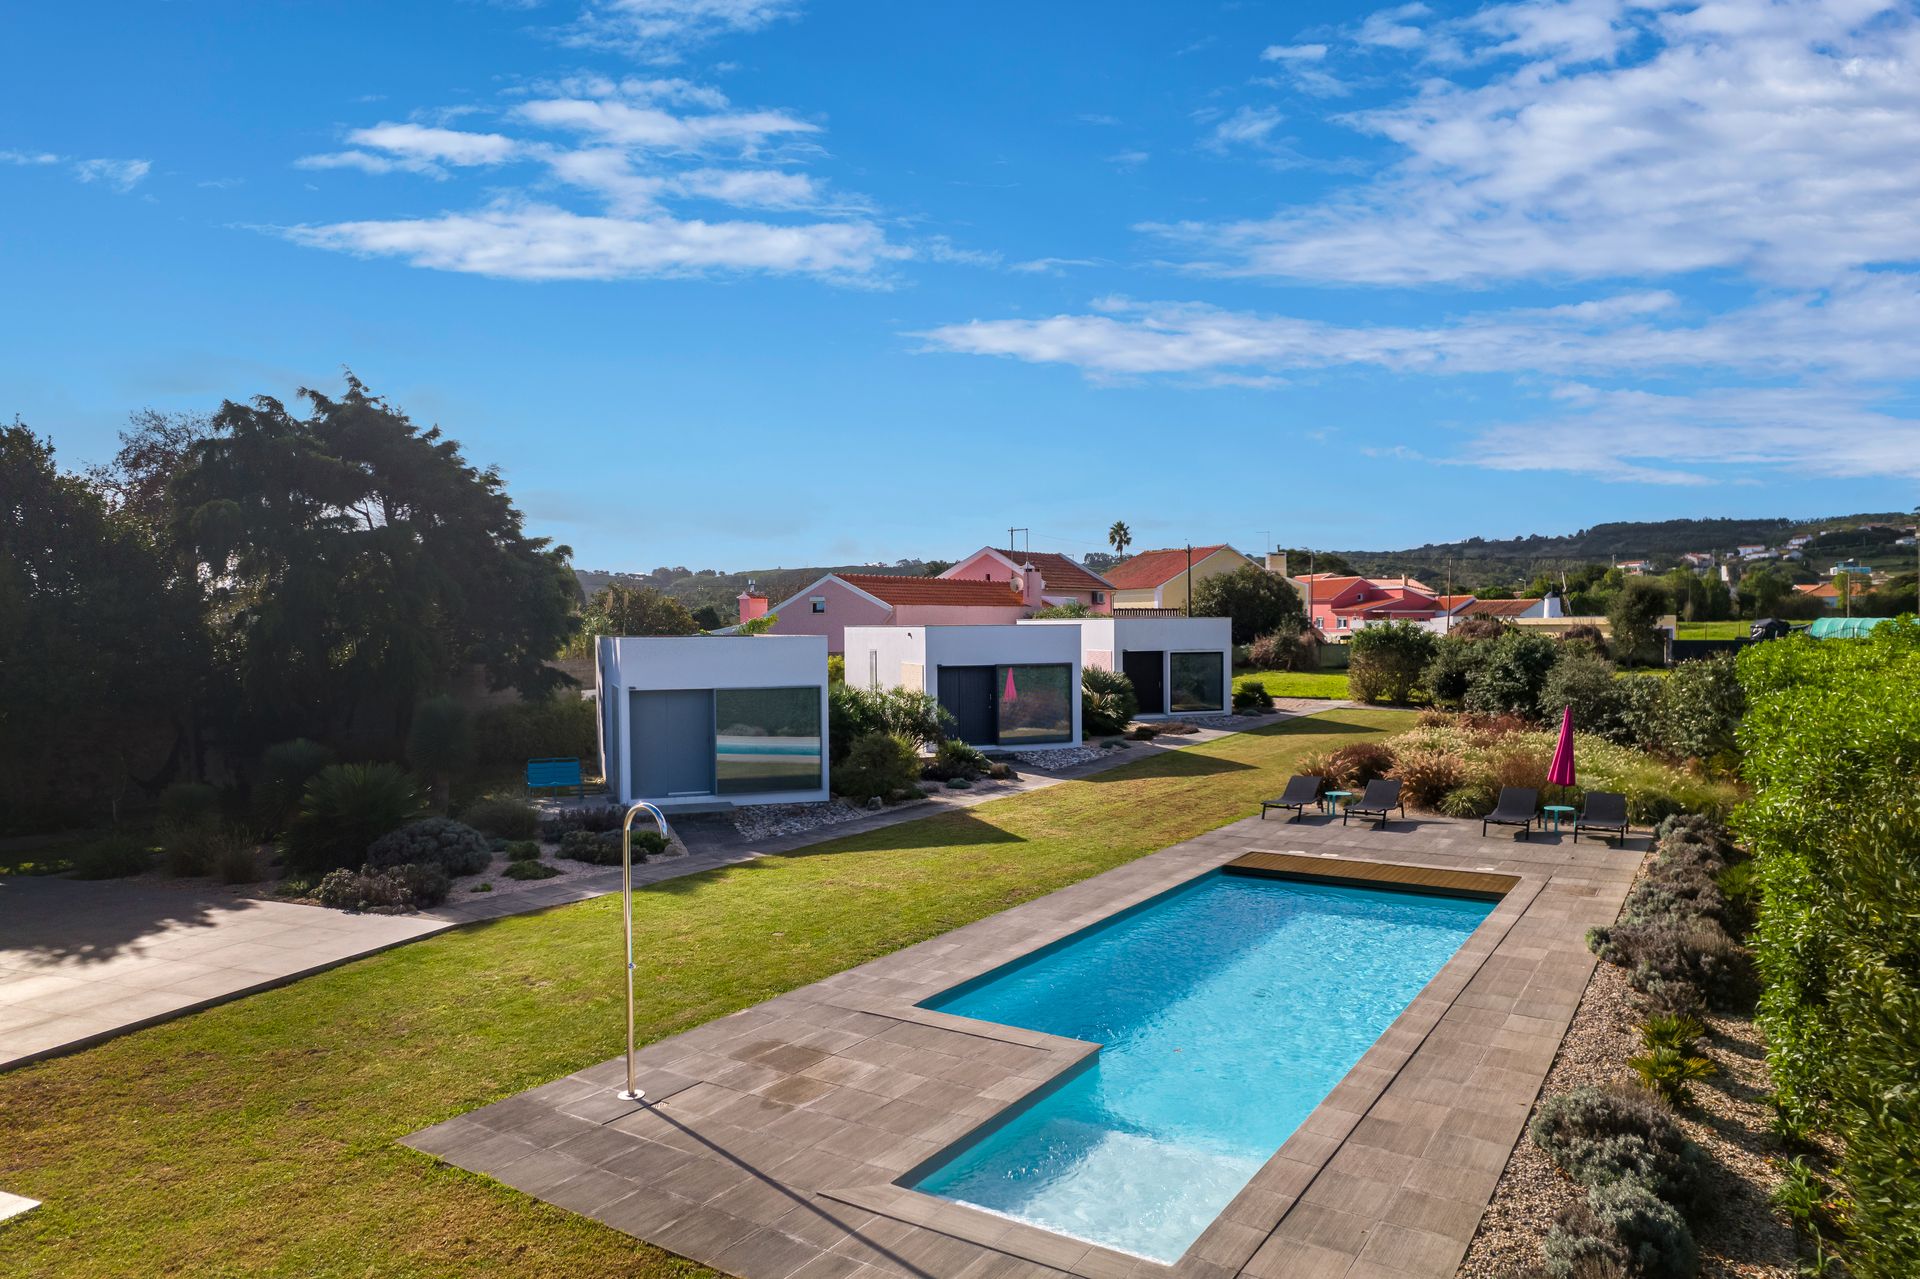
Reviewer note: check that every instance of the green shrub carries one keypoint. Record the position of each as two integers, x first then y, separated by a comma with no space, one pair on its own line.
1450,670
391,890
453,846
1650,1230
560,727
285,770
1671,1072
1588,685
1107,702
506,818
1802,1195
238,860
189,804
602,848
112,857
836,668
523,850
344,808
1666,957
1511,674
1386,661
1252,696
854,712
205,847
587,817
1472,799
877,765
955,761
1698,710
530,870
1577,1246
1599,1136
958,783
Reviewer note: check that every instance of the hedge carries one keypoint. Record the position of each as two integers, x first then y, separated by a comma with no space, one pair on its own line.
1832,748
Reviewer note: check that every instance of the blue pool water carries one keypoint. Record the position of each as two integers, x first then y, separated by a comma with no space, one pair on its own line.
1226,1010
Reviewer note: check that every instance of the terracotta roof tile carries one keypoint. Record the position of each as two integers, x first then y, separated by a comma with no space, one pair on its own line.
1060,572
1499,608
898,588
1149,569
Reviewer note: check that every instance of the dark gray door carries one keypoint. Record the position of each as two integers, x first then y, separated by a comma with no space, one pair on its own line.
1147,668
967,693
672,743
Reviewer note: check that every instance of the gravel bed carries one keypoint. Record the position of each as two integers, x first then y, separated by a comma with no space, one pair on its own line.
771,821
1059,759
1742,1237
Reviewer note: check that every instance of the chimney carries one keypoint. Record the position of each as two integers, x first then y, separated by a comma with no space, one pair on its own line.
1277,562
752,603
1031,584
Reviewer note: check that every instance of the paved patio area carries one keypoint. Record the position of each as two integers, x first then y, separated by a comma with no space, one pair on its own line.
84,961
772,1139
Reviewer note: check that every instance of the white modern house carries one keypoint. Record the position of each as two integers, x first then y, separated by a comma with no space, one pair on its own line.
1008,687
1178,665
713,721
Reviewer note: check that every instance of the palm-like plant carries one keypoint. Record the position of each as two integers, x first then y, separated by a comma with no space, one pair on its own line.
1120,537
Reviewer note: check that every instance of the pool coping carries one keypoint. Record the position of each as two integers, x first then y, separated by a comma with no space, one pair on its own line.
732,1164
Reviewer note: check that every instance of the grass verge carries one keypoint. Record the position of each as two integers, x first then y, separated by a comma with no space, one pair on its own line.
258,1138
1332,684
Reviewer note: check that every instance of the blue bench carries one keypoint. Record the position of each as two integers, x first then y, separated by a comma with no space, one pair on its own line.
560,773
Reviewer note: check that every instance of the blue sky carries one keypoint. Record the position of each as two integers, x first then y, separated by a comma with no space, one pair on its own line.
743,283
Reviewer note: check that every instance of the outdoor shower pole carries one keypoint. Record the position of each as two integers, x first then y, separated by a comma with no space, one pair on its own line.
626,903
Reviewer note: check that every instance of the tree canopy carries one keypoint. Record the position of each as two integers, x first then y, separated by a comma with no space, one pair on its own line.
1258,602
355,560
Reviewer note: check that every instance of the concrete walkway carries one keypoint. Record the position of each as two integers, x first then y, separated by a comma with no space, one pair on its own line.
83,961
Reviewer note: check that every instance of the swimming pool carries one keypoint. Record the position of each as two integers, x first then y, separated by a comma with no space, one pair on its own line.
1226,1010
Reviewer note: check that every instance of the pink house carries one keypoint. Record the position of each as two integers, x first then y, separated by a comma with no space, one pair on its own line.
1337,606
1062,581
839,600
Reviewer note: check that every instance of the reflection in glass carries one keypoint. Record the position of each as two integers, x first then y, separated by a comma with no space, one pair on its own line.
766,739
1198,682
1035,704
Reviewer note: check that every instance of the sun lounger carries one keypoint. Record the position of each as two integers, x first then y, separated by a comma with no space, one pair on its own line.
1518,806
1301,793
1381,796
1605,812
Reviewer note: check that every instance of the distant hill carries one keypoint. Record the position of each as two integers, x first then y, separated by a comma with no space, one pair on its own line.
1482,561
697,588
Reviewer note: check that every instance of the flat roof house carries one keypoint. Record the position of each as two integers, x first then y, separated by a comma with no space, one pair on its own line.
829,605
1061,580
704,721
1158,579
1178,665
1007,687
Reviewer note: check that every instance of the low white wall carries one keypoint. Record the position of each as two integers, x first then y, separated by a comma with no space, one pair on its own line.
665,662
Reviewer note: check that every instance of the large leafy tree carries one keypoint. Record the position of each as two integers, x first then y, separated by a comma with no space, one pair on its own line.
100,645
1259,602
355,561
638,610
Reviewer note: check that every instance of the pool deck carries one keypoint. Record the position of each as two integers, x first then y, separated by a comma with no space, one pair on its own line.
772,1139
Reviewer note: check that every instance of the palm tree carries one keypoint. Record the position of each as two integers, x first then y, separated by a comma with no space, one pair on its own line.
1120,536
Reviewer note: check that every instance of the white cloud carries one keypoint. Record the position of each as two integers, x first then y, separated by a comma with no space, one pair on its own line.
122,175
538,242
650,127
1129,159
1295,52
28,157
1248,126
447,146
1866,328
1052,266
1771,139
663,30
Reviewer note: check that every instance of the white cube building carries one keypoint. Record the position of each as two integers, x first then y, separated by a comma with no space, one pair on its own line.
704,721
1008,687
1178,665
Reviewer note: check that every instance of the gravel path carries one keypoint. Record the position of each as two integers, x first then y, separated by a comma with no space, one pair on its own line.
1742,1237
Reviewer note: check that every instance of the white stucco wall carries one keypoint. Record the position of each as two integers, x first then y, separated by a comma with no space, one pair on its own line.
653,663
931,647
1169,635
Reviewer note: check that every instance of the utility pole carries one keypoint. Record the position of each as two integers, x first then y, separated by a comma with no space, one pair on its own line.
1189,579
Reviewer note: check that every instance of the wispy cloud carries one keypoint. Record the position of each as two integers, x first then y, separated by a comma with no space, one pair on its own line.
1619,140
663,31
121,175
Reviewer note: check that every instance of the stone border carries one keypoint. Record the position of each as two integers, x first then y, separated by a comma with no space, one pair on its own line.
776,1138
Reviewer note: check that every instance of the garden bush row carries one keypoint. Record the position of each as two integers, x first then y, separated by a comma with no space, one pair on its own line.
1690,713
1832,747
1456,763
1673,936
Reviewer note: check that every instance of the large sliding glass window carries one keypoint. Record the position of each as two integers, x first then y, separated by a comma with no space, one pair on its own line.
1035,704
1197,682
766,739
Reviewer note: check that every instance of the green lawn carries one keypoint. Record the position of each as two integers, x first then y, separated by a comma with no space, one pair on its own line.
1713,630
259,1137
1332,684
